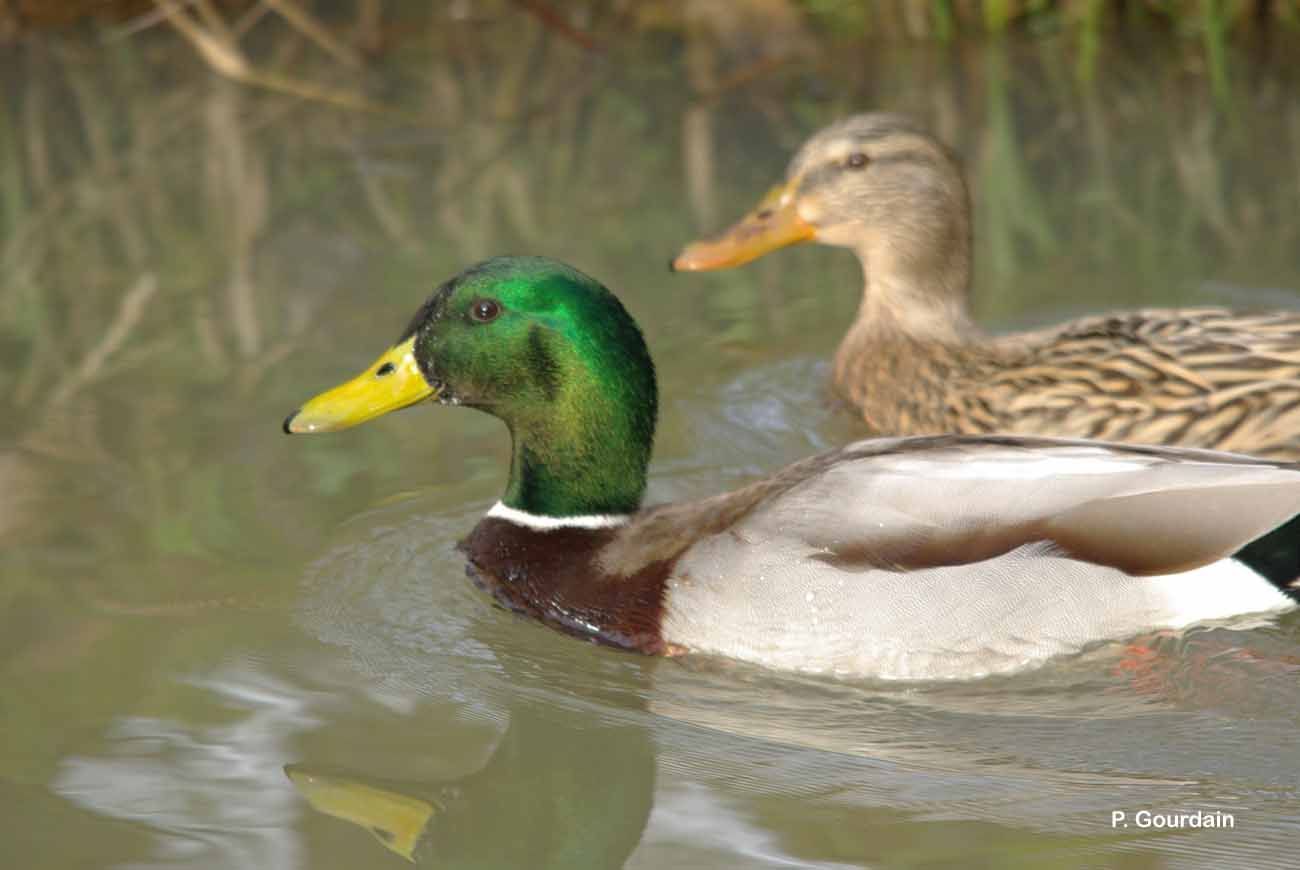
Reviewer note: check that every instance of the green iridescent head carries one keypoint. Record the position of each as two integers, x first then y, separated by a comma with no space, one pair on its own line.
545,348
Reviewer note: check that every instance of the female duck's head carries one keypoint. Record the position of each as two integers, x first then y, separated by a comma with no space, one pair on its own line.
545,348
876,183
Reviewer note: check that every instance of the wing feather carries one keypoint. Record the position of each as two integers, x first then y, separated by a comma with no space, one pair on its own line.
1147,511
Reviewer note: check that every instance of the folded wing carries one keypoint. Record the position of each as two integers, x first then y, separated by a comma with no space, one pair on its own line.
921,503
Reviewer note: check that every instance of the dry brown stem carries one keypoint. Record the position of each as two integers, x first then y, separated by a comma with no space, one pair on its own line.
310,26
217,46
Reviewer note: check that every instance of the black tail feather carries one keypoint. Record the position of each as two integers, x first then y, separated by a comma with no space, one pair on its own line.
1276,556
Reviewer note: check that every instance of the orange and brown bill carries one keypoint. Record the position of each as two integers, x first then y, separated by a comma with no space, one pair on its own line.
774,223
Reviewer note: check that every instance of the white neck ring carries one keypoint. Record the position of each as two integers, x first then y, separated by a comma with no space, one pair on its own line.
542,522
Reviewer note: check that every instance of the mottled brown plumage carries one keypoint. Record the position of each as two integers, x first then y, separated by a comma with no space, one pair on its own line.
1194,377
914,362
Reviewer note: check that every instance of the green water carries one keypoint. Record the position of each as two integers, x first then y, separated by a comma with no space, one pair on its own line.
190,601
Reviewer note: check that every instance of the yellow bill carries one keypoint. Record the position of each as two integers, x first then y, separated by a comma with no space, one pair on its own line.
397,820
393,381
774,223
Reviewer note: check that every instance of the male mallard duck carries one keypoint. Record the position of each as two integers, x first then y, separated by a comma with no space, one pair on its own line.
901,558
915,364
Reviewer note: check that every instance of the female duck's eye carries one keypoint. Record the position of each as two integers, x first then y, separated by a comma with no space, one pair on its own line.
385,369
857,160
485,310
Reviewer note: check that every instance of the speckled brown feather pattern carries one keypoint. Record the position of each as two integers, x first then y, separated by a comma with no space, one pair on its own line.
1203,377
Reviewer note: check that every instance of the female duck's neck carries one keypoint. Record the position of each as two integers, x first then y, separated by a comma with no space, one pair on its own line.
920,294
907,340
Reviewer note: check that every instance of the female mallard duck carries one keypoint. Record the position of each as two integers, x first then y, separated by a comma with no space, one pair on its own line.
915,364
900,558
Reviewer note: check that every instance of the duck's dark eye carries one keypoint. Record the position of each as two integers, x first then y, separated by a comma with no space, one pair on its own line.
485,310
857,160
385,369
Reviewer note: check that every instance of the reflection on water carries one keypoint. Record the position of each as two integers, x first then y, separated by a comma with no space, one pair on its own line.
188,602
210,792
560,790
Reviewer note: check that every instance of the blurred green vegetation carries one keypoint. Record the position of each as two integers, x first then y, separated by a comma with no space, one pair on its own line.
202,222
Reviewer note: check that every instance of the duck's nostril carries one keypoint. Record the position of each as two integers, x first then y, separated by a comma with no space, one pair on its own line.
385,369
